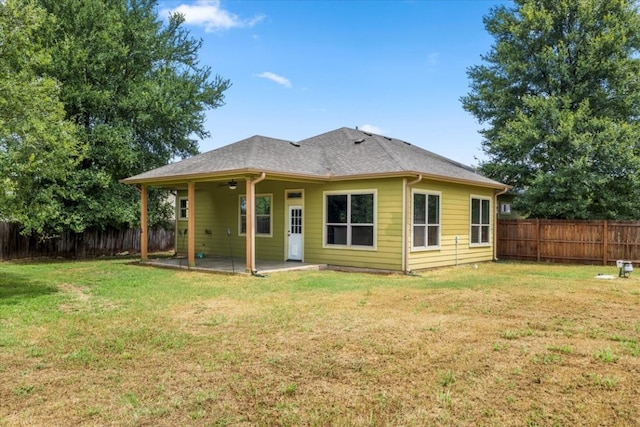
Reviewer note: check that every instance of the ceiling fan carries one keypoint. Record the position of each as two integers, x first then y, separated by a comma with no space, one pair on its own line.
232,184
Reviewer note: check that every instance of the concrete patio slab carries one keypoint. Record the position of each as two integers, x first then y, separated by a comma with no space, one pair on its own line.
228,265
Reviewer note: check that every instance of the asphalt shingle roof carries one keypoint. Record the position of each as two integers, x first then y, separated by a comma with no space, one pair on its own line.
341,153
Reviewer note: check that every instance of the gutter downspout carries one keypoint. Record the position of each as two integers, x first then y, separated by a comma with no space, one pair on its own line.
495,222
407,230
262,177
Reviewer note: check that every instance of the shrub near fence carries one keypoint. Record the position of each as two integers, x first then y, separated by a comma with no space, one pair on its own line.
566,241
91,243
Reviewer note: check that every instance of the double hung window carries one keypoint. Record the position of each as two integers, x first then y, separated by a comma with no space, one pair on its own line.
183,208
480,220
426,220
263,215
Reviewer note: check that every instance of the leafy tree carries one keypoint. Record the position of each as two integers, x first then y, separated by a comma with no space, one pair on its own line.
136,90
559,93
39,149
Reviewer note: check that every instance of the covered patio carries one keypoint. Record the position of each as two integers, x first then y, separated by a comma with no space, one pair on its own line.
228,265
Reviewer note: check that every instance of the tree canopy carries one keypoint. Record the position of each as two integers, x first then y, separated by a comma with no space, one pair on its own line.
39,148
132,95
559,95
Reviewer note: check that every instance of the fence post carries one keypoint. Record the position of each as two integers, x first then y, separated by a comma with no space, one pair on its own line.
605,243
538,239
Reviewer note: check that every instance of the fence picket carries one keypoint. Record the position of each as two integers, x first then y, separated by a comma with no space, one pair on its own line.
568,241
91,243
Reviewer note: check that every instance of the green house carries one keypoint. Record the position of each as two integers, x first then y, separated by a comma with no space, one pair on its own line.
343,198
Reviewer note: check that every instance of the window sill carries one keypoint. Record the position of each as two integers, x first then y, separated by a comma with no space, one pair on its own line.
425,249
352,247
257,235
479,245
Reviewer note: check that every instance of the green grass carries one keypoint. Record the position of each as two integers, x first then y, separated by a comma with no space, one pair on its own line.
606,355
115,343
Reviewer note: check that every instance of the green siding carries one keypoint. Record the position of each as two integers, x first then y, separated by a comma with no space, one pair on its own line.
217,208
209,208
455,221
388,253
272,248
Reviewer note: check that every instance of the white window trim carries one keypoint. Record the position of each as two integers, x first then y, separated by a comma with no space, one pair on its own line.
180,217
293,190
490,225
325,245
427,193
270,234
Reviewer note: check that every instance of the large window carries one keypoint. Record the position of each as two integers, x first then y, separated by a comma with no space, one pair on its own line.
426,220
263,214
350,219
183,208
480,220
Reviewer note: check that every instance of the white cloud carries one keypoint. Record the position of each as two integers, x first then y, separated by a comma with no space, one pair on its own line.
209,14
433,58
371,129
275,78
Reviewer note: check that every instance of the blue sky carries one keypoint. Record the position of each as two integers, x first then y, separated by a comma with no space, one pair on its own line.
299,68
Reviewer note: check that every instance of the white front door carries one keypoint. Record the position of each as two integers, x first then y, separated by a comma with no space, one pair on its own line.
294,245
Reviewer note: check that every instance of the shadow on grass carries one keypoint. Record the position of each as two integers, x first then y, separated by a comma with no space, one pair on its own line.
133,257
15,288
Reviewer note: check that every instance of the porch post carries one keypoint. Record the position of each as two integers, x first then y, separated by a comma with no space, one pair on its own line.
144,236
250,200
191,224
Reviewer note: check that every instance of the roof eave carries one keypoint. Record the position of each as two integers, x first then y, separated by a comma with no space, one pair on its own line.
212,176
203,177
425,175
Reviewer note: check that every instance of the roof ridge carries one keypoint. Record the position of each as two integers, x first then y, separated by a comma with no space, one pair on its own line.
380,140
339,153
251,154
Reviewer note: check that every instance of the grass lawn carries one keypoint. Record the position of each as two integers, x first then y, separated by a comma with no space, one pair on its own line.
114,343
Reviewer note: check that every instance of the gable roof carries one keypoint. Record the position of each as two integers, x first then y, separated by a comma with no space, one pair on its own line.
344,153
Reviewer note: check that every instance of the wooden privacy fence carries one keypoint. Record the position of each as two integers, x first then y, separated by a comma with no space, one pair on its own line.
91,243
566,241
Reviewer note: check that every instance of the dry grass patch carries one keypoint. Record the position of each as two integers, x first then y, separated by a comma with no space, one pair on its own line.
506,344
